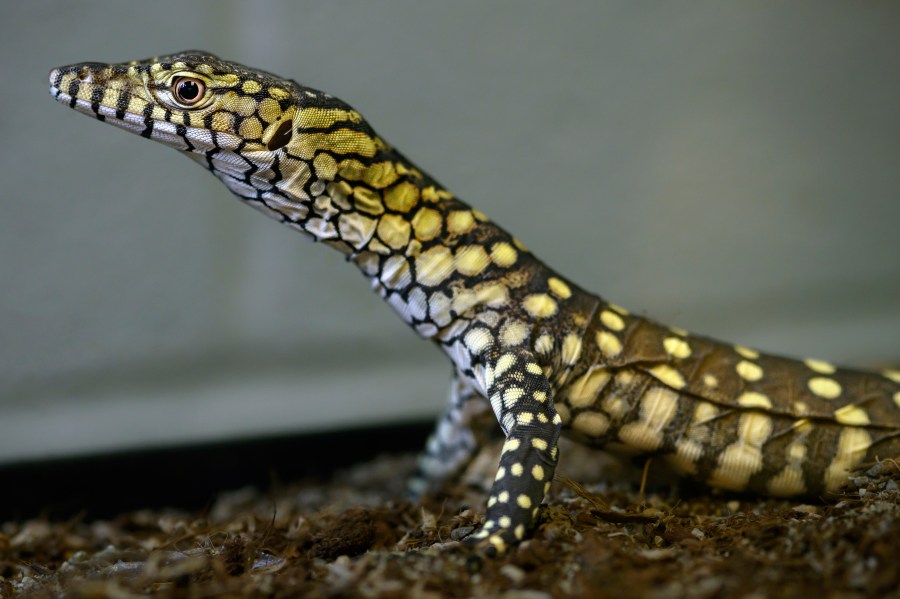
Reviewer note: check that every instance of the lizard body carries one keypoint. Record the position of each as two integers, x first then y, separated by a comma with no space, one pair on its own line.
547,355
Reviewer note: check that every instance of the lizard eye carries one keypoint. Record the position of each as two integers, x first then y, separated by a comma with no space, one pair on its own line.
188,90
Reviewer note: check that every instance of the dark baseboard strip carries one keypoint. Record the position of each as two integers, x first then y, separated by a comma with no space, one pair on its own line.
188,477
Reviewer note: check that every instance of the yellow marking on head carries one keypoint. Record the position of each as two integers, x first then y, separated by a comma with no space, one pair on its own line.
250,128
516,469
519,532
676,347
540,396
524,418
559,288
402,197
342,141
501,472
852,446
787,483
537,472
609,344
427,224
571,349
110,96
824,387
268,110
524,501
503,254
710,381
433,266
222,121
471,260
241,105
136,105
893,375
754,399
460,221
251,87
584,390
668,376
278,93
313,117
748,371
325,166
611,320
159,114
819,366
539,305
750,354
393,231
539,444
592,424
851,415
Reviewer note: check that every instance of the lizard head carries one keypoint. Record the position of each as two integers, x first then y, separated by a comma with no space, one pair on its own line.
264,136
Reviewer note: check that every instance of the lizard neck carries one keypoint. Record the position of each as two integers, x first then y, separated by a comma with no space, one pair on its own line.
431,256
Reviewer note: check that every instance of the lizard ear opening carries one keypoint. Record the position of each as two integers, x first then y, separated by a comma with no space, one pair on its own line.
280,136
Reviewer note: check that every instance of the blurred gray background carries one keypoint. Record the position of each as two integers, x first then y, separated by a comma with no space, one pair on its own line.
730,168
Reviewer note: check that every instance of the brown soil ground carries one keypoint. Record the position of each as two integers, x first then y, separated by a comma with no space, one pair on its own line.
350,537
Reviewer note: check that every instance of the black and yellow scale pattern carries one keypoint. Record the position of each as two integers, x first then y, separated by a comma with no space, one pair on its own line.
545,354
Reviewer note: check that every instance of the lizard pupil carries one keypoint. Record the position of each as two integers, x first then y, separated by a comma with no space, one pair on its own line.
188,90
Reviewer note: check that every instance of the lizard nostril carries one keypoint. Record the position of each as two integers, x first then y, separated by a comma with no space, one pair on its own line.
85,75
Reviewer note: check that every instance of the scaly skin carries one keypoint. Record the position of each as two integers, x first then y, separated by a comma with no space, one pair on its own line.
547,355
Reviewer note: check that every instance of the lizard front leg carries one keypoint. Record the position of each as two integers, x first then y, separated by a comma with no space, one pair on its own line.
520,395
466,424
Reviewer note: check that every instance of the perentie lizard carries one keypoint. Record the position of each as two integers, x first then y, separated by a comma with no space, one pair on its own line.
545,354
